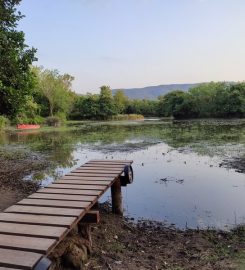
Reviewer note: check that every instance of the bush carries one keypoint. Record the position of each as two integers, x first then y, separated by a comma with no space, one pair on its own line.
38,120
3,122
53,121
26,120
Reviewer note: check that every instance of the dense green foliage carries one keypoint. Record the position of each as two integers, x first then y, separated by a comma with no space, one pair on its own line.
144,107
206,100
100,106
105,106
16,79
27,94
51,96
85,107
53,92
203,101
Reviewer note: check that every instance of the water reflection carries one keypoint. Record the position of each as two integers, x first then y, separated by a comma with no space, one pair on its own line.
176,164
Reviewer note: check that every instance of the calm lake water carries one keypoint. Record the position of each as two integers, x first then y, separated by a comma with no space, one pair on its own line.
178,178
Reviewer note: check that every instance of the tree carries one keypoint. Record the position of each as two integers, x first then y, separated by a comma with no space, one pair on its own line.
230,101
237,100
205,95
107,106
185,107
16,78
142,106
168,103
86,107
177,104
120,100
56,89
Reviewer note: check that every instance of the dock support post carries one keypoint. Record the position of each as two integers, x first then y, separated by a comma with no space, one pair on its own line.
116,197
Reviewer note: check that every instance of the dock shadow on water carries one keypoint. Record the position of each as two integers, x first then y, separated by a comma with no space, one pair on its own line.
187,173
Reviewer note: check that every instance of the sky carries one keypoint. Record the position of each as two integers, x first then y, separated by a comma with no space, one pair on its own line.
137,43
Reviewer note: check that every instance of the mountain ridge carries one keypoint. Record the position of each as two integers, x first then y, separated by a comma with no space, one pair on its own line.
153,92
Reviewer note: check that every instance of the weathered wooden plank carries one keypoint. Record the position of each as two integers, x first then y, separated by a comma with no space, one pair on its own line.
18,259
67,186
38,210
100,170
82,174
81,177
92,166
101,166
83,182
54,203
106,165
32,230
7,268
111,161
32,244
37,219
70,191
104,172
63,197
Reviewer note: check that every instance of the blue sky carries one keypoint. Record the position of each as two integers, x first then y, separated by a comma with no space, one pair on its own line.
137,43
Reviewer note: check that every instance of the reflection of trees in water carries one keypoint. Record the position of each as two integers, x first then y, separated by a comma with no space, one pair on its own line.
176,134
59,145
56,146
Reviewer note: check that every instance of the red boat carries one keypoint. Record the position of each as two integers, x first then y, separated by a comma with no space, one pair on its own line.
23,126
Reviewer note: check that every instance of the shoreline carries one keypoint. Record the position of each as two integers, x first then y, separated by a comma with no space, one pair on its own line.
119,244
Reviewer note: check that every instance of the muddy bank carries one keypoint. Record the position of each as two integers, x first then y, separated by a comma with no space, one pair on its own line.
16,164
119,244
9,197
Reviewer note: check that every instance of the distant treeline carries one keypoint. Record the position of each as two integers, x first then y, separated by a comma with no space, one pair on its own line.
203,101
105,106
51,97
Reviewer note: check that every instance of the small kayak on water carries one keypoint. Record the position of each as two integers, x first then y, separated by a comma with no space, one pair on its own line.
23,126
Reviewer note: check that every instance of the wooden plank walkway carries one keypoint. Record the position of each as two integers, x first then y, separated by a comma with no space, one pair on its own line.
31,228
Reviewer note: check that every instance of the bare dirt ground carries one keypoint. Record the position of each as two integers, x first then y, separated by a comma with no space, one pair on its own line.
8,197
120,245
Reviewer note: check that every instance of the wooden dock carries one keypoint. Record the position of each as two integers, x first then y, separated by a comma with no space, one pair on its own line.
32,228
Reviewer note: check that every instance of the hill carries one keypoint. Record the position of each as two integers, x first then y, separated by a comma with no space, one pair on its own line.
153,92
